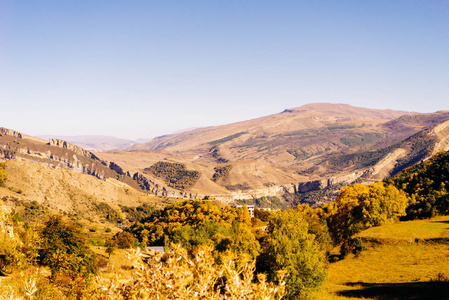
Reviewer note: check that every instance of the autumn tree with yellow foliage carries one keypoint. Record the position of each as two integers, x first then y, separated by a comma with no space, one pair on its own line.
360,207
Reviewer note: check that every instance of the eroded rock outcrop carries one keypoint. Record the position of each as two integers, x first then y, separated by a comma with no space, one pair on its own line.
78,150
117,168
10,132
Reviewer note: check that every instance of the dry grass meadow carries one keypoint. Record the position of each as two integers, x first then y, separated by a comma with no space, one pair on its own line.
407,260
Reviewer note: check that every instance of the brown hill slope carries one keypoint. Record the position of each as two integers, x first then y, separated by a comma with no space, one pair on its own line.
55,153
58,153
310,116
322,143
66,191
66,178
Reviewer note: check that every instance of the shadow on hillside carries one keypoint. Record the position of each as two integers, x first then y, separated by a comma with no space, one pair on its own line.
442,221
410,290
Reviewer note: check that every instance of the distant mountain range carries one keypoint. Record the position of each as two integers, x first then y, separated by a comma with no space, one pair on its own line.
301,149
320,143
95,143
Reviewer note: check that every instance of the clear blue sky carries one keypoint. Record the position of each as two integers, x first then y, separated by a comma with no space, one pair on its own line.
145,68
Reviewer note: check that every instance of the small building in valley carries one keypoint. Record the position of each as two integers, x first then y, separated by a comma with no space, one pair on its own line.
250,209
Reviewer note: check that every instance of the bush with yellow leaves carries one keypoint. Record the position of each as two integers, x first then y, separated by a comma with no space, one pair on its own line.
176,275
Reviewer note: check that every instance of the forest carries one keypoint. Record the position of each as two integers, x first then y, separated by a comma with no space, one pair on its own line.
212,250
175,175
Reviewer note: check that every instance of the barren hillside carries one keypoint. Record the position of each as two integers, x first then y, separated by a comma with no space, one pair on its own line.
67,191
320,143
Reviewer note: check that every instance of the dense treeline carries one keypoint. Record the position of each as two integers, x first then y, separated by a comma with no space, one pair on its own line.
175,175
271,202
426,183
167,223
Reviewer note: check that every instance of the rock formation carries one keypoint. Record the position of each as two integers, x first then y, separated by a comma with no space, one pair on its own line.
9,132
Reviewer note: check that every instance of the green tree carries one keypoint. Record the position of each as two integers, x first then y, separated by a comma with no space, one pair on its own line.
291,248
426,183
64,248
244,242
317,225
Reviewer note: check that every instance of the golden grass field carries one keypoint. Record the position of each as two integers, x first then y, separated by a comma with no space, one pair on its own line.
407,260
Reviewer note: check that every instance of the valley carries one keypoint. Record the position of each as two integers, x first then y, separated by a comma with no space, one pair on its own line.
366,216
299,150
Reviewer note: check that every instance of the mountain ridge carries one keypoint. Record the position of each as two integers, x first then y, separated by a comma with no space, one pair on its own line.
94,143
340,111
307,147
311,147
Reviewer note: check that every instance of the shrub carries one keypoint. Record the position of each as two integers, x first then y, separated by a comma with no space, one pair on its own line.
176,275
353,245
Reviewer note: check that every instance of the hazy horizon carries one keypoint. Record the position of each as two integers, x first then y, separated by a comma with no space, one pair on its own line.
141,69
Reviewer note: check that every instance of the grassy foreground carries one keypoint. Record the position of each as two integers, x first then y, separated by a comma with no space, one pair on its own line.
407,260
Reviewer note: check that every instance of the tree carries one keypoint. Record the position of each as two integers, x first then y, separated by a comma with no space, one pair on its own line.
290,248
111,246
2,174
64,248
9,254
316,225
426,183
360,207
244,241
262,215
124,240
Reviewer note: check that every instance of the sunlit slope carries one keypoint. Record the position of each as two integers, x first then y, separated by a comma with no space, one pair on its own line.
68,191
267,129
407,260
316,142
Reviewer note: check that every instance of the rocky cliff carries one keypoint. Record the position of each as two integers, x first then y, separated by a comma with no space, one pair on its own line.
66,145
10,132
55,153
